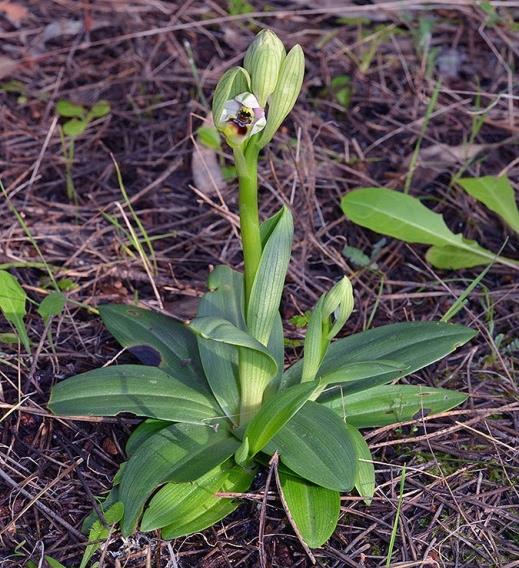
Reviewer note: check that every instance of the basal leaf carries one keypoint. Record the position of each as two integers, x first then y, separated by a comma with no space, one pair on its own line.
144,430
365,475
389,404
313,510
75,127
317,446
412,345
157,339
222,331
362,374
497,194
178,453
141,390
12,305
274,414
220,360
215,508
453,258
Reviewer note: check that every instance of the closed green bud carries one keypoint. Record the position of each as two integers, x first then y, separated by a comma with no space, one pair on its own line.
263,62
285,94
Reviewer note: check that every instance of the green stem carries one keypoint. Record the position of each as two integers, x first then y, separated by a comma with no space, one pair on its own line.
247,168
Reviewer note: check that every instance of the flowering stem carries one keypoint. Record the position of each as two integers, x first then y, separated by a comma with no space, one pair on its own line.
247,168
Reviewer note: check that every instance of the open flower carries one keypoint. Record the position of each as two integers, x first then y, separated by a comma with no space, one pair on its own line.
241,118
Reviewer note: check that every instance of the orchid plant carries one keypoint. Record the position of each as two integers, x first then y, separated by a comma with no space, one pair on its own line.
216,399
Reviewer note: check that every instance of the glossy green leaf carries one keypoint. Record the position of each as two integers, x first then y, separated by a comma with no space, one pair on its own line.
157,339
365,475
274,414
68,109
406,218
178,453
233,82
389,404
141,390
104,504
215,508
317,446
223,331
285,94
313,510
220,361
412,345
12,305
52,305
497,194
144,430
362,375
263,308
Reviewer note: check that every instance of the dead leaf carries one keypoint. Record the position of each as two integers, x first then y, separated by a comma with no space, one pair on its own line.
15,13
7,66
207,175
436,159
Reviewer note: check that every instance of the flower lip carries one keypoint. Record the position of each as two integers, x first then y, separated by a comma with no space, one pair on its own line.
242,117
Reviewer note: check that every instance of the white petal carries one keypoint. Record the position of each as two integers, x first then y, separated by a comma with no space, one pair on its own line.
259,125
230,110
248,100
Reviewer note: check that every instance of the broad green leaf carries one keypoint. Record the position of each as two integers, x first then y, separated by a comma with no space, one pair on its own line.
233,82
362,375
223,331
74,127
274,414
141,390
317,446
313,510
365,475
215,508
388,404
178,453
100,109
53,563
52,305
453,258
285,94
406,218
181,502
412,345
220,361
263,308
497,194
267,288
157,339
9,338
144,430
67,109
12,305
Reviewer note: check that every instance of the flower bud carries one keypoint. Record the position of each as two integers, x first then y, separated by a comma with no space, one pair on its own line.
285,94
339,304
263,61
